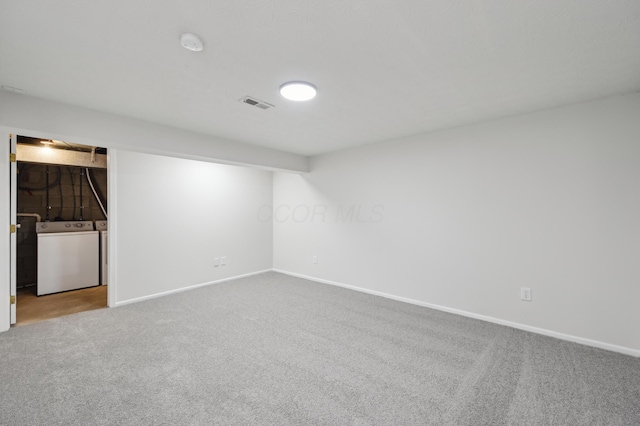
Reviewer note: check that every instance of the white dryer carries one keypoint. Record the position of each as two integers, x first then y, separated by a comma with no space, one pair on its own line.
67,256
101,227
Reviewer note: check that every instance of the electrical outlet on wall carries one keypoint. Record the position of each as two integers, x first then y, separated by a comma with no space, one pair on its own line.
216,261
315,260
525,294
223,261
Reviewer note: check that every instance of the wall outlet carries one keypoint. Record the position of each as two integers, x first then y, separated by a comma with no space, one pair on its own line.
525,294
223,261
315,260
216,261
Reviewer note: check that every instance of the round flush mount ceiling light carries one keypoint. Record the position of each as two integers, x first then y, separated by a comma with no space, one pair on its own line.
298,91
46,143
192,42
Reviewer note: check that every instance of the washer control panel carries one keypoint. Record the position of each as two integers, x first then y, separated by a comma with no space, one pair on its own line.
66,226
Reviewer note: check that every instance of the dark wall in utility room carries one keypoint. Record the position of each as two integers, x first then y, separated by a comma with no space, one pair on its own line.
64,189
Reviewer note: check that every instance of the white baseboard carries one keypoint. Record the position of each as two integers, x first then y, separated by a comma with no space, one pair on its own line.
191,287
545,332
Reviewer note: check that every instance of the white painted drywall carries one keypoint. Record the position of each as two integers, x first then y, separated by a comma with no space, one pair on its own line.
42,118
174,216
463,218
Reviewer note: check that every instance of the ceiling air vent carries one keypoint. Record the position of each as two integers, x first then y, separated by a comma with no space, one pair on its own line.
256,103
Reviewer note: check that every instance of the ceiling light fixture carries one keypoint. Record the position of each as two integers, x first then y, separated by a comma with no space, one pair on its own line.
298,91
191,42
46,143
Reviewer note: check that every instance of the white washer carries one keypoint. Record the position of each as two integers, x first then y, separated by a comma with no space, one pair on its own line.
67,256
101,226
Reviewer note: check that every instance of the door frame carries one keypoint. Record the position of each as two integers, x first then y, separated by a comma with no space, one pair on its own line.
5,239
13,237
7,246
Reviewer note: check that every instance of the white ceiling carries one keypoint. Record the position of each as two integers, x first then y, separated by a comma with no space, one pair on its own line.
384,69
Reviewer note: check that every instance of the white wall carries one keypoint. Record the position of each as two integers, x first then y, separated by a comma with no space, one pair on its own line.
174,216
463,218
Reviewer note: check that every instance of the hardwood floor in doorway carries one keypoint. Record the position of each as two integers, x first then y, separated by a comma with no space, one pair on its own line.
31,308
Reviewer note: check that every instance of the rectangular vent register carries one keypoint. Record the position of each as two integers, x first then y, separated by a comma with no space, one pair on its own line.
256,103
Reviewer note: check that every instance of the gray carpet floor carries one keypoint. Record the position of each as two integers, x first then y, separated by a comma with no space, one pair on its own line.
277,350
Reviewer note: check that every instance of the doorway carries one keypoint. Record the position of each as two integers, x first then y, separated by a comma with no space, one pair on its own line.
59,194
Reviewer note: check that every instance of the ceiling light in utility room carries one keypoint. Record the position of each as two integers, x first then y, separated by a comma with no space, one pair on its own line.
298,91
192,42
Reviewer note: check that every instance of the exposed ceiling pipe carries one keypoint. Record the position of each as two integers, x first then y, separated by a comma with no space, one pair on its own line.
36,215
95,194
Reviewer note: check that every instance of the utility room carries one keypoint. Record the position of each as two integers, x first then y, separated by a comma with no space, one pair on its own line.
60,194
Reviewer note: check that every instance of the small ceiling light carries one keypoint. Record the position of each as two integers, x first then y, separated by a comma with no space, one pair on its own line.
192,42
298,91
46,143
